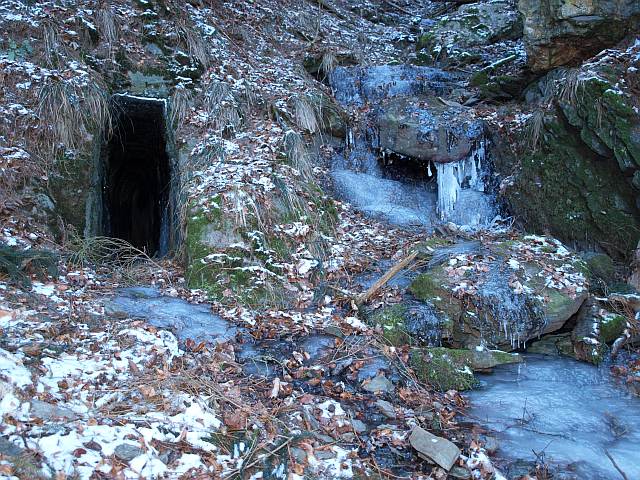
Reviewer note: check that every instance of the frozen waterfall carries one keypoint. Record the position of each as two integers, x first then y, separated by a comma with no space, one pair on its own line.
453,177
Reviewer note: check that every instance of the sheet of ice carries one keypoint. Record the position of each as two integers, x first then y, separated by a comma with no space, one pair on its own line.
188,320
406,204
570,410
396,202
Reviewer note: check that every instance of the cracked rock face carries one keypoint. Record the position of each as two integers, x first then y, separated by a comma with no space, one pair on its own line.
564,32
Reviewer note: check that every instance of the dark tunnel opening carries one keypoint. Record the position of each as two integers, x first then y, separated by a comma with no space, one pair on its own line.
137,175
408,169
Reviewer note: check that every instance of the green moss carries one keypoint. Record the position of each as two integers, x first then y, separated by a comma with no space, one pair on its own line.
70,186
565,189
611,327
392,322
425,287
443,368
479,78
600,267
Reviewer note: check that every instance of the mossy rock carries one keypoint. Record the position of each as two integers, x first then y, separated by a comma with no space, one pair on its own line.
484,307
70,186
611,327
447,368
567,189
443,368
431,287
391,320
600,267
425,287
470,26
553,345
226,264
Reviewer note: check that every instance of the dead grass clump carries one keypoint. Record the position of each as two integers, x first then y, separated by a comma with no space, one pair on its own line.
534,129
193,42
70,113
179,106
107,23
307,113
297,154
223,109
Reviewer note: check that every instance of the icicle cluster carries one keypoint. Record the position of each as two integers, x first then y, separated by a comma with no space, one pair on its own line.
453,176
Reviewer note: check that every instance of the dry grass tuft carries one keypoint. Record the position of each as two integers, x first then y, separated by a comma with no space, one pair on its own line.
570,87
244,206
124,261
307,112
297,153
106,21
223,109
328,62
179,106
193,42
534,129
72,112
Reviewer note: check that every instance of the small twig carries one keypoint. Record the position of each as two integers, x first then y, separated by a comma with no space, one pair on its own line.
624,475
398,7
255,462
392,272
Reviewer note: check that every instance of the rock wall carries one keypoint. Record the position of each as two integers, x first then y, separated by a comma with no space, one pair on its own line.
578,176
564,32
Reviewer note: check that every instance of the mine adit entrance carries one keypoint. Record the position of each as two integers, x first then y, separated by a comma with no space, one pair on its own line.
138,175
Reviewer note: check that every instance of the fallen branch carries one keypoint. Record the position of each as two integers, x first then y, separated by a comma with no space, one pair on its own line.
398,7
498,63
624,475
382,281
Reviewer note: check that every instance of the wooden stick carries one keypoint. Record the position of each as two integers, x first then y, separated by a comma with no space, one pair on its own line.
624,475
398,7
364,297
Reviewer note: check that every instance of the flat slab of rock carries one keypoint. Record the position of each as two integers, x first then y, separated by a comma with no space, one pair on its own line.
127,452
386,409
379,384
437,449
47,411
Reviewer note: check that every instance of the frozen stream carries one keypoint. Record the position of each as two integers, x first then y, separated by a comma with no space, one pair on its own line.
186,320
570,410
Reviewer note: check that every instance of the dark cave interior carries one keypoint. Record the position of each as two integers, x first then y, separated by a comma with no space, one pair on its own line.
137,174
407,169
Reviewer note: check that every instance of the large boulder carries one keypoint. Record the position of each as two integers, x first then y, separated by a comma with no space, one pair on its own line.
454,36
429,129
505,293
578,175
564,32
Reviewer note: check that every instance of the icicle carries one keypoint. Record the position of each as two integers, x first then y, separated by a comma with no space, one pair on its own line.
429,171
448,188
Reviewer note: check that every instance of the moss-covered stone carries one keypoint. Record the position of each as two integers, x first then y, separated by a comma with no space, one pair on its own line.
447,368
425,287
565,188
475,25
443,368
553,345
70,186
391,321
600,268
611,327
